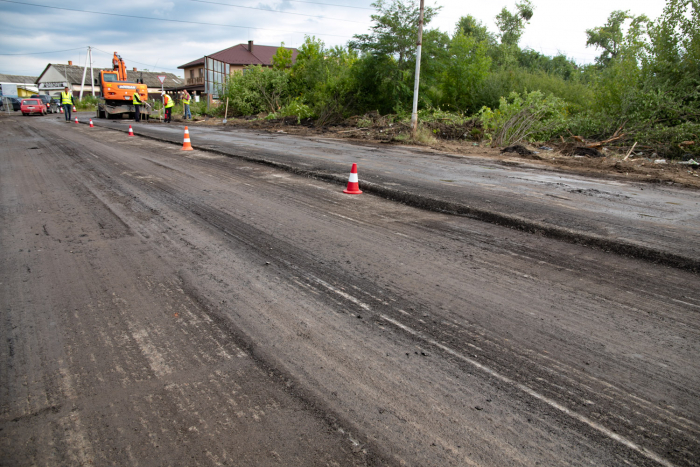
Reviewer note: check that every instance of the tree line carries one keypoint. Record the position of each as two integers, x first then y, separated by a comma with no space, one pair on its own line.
643,84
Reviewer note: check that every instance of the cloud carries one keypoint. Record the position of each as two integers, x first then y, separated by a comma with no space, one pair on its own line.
169,44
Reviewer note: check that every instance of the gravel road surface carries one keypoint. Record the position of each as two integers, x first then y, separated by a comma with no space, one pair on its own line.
162,307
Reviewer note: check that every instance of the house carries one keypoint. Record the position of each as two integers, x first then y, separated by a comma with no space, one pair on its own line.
56,76
203,74
17,85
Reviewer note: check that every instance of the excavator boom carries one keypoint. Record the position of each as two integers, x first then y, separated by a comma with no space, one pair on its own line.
119,66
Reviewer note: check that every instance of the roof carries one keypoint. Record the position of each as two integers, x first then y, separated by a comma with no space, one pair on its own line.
199,61
74,74
240,55
18,79
150,78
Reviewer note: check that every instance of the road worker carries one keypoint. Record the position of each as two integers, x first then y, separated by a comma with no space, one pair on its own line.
169,104
67,102
137,106
186,104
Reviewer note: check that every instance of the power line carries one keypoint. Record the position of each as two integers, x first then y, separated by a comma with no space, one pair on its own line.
332,4
42,53
134,61
173,20
276,11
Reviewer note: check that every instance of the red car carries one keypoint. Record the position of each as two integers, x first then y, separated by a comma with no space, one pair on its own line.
32,106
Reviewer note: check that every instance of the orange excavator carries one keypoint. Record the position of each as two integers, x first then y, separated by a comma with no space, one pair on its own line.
118,92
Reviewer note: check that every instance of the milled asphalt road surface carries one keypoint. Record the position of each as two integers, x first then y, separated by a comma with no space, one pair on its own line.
658,217
162,307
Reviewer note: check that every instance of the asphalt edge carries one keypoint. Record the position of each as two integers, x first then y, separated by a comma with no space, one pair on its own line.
617,246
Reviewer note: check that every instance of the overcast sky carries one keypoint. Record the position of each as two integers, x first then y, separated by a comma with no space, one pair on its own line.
558,26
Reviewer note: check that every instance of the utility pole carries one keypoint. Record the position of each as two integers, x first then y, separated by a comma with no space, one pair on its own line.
92,76
414,115
82,83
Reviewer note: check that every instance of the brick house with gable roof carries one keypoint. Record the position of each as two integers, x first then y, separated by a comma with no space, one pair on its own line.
237,57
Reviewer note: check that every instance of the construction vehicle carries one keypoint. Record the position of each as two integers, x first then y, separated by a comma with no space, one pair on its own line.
118,92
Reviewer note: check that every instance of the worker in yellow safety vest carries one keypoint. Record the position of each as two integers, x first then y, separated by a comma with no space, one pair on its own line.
67,102
137,106
186,104
169,104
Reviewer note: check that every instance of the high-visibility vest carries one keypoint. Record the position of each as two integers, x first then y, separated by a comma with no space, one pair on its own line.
169,102
66,97
186,100
137,99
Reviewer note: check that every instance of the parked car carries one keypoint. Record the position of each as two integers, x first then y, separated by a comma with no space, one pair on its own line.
33,106
14,103
46,99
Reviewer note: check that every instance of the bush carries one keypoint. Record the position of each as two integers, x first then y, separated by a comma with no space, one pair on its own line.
87,103
255,90
501,83
530,116
297,109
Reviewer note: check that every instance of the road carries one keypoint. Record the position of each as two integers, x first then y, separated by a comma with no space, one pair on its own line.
658,217
162,307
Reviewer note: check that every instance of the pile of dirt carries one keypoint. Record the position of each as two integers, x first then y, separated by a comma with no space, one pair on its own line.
518,149
471,130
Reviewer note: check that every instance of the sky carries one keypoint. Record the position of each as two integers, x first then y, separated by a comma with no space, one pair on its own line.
29,32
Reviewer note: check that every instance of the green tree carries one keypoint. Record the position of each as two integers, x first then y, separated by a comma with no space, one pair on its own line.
386,70
322,78
467,66
395,29
512,25
257,89
609,38
435,57
472,27
282,58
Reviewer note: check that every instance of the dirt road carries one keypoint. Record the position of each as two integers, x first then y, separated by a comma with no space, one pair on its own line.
170,308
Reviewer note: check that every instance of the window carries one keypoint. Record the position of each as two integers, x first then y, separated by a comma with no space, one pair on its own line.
110,77
192,74
28,102
216,74
201,72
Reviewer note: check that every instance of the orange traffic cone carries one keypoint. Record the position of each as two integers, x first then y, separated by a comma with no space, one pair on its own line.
76,120
353,185
91,125
186,145
74,109
61,109
131,131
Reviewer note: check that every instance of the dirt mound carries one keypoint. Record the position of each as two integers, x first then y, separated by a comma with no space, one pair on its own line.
517,148
447,130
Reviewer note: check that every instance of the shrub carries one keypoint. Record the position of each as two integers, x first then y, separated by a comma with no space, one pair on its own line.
256,89
87,103
296,108
523,117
